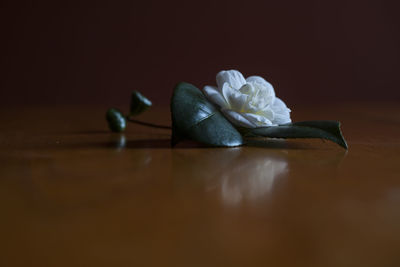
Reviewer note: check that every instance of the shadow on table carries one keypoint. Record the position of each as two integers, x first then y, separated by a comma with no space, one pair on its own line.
122,142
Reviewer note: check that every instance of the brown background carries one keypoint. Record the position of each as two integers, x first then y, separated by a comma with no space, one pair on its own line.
327,51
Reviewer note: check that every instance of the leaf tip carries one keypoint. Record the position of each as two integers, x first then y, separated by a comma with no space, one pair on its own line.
343,142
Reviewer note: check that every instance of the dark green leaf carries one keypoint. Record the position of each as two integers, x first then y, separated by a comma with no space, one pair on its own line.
139,103
195,118
115,119
329,130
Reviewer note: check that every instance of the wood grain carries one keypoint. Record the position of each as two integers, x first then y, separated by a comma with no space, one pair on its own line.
74,194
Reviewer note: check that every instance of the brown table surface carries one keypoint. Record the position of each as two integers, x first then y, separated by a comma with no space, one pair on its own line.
74,194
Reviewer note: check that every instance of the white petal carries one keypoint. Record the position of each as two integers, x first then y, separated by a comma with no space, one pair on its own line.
281,112
279,105
237,119
282,119
215,96
234,98
233,77
258,120
250,108
262,81
268,113
247,89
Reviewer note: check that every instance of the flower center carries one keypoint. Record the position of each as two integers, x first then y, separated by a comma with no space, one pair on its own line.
259,97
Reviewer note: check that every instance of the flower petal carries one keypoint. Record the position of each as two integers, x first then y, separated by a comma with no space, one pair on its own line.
258,120
247,89
281,112
233,77
235,99
237,119
215,96
279,105
262,81
268,113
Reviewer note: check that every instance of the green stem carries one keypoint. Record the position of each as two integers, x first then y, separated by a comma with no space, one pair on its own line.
148,124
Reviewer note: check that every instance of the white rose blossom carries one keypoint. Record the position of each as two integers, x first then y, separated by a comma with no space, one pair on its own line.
248,103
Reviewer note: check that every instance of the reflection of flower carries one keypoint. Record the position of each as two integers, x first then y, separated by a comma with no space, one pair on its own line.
252,180
247,102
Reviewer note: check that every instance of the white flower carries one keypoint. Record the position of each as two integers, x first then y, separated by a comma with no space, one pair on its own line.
247,102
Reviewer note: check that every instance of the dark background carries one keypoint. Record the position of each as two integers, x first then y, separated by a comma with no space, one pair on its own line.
326,51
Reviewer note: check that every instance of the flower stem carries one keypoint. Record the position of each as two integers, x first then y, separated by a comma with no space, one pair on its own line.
148,124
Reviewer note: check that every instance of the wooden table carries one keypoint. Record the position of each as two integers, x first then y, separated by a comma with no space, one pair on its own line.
74,194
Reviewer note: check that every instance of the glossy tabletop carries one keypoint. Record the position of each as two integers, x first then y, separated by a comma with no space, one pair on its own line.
74,194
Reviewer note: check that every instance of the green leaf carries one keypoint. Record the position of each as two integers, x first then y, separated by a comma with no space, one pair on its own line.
329,130
195,118
139,103
115,119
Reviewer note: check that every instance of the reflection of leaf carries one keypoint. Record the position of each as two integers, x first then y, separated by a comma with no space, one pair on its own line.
195,118
139,103
202,167
329,130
